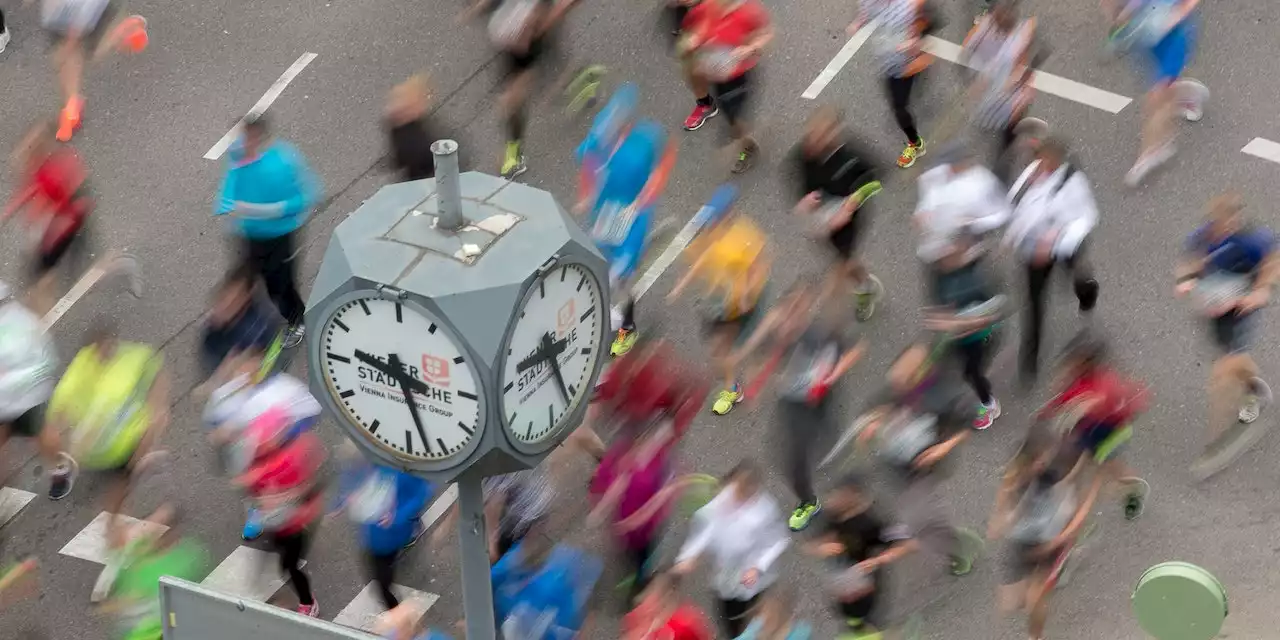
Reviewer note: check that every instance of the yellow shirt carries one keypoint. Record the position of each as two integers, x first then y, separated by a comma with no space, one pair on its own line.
105,402
728,255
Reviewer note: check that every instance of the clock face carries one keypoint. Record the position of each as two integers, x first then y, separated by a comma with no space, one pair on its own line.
378,352
562,318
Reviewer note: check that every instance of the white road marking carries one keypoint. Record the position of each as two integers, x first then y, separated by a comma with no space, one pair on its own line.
1046,82
242,575
837,63
269,97
12,502
1263,148
439,507
362,612
91,543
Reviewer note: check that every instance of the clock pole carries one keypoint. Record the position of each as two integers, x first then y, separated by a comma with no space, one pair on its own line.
477,583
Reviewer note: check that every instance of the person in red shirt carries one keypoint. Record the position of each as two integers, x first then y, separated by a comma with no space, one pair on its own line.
662,614
1103,404
55,196
720,44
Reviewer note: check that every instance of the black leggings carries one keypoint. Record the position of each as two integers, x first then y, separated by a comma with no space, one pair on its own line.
734,615
973,360
273,259
383,569
640,560
292,548
900,100
1086,290
1003,164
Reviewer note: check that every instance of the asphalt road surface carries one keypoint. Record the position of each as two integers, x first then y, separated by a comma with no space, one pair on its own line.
152,119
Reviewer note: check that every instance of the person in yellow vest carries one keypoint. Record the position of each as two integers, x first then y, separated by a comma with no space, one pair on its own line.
113,401
733,265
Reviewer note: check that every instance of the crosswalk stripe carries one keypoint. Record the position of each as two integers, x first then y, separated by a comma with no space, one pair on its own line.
241,574
363,611
13,501
91,543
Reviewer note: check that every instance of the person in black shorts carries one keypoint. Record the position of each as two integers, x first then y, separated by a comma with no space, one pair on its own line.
521,30
836,179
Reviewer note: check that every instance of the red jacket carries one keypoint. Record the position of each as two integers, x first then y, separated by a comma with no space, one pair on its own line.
1116,400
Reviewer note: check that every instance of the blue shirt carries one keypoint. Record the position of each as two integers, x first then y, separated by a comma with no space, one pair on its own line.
633,163
278,180
1242,252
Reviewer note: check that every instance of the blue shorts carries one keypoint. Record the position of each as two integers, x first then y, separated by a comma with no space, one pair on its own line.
624,258
1171,55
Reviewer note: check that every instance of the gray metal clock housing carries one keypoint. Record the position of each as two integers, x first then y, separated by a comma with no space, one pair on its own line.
471,282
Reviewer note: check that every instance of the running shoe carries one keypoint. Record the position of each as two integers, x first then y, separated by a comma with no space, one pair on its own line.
585,88
69,119
865,298
857,629
725,401
624,342
743,161
513,162
803,514
1192,96
1250,409
4,39
63,478
293,335
1149,162
987,415
1133,504
252,525
910,153
310,610
699,116
131,33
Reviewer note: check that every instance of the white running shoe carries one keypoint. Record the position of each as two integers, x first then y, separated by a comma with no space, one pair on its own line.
4,39
1149,162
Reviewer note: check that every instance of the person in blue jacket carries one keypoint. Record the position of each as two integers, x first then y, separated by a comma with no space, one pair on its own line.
268,191
387,505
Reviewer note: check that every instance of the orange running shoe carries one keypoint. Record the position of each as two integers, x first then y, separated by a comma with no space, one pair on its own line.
131,33
70,118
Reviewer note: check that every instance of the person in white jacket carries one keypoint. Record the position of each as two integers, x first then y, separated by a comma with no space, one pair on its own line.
959,197
742,530
1054,212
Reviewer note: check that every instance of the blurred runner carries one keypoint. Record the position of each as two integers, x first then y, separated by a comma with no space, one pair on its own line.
818,349
516,506
136,601
244,390
387,505
404,623
1004,50
622,175
1231,267
279,470
733,264
958,197
543,591
409,133
775,619
269,191
522,31
901,26
837,179
1167,30
741,529
28,375
1054,212
917,423
1107,404
114,401
721,42
1042,507
858,544
237,322
56,197
79,29
632,490
663,614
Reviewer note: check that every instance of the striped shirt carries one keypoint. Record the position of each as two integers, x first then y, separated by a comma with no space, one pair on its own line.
528,495
896,25
1000,60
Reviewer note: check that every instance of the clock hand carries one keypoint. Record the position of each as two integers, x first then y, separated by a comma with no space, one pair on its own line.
532,361
394,372
548,347
405,381
555,369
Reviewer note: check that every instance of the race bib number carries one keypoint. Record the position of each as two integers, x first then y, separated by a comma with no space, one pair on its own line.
717,63
613,223
511,23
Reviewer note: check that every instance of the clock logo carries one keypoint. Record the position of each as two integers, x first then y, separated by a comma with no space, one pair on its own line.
435,370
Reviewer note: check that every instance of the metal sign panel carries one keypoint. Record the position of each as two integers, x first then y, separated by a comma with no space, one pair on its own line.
193,612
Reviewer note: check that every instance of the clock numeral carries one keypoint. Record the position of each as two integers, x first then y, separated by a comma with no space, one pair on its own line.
586,351
339,324
365,306
469,396
342,359
571,390
348,393
529,432
542,289
551,416
564,270
587,314
373,427
464,427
